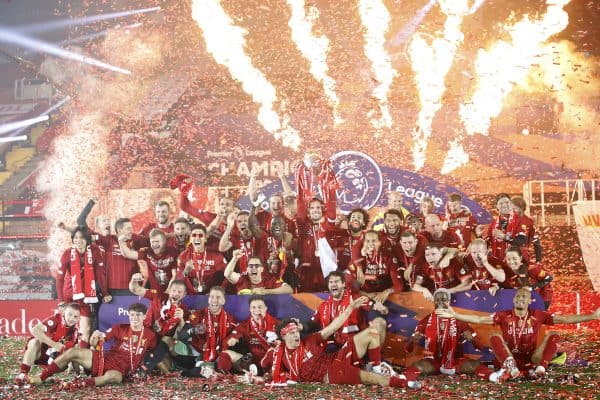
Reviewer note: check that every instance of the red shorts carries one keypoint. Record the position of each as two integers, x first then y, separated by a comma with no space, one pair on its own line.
342,370
110,363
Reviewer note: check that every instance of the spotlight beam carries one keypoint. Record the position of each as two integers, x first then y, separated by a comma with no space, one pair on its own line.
11,126
65,23
43,116
13,139
94,35
14,38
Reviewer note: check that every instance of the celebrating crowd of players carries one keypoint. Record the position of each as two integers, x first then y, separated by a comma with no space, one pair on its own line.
301,244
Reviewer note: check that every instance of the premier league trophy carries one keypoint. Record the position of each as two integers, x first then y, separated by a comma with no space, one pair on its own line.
315,175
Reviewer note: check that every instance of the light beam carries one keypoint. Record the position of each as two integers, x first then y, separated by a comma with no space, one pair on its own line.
65,23
14,38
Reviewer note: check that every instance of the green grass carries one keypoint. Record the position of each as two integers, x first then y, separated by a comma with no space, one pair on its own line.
438,387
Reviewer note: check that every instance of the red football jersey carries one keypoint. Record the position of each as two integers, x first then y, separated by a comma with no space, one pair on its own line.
520,334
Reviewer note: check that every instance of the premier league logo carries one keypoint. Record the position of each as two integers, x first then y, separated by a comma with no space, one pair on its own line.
360,180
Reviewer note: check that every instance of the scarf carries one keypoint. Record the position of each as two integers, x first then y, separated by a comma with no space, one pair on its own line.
294,362
211,347
331,310
277,247
167,322
83,289
508,225
100,349
182,182
248,252
260,329
448,339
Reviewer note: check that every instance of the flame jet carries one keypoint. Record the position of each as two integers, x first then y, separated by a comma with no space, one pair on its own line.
499,69
314,49
375,18
431,63
226,42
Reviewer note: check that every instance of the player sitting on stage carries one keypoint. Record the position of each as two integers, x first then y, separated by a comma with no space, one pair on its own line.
443,349
50,339
517,349
130,343
296,360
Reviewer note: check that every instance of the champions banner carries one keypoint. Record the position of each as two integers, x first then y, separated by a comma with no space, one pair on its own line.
587,218
406,310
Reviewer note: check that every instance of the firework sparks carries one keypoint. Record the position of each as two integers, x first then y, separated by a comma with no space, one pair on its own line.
71,174
501,68
314,49
506,64
375,18
226,41
431,64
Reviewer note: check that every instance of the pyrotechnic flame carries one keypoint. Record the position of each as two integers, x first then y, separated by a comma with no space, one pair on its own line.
431,64
570,78
314,49
226,42
455,158
375,18
505,65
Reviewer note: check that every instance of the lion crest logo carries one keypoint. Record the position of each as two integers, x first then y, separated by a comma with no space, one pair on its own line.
360,180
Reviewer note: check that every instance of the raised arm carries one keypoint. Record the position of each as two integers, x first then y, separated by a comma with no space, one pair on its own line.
127,252
134,285
470,318
252,189
229,273
497,273
253,224
342,317
225,241
287,189
82,218
574,319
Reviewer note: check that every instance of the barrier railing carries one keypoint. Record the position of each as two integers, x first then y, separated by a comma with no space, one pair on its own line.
569,191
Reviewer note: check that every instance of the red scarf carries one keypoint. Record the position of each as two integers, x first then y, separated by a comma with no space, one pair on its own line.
294,362
167,321
447,337
260,329
332,310
248,253
211,347
85,289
